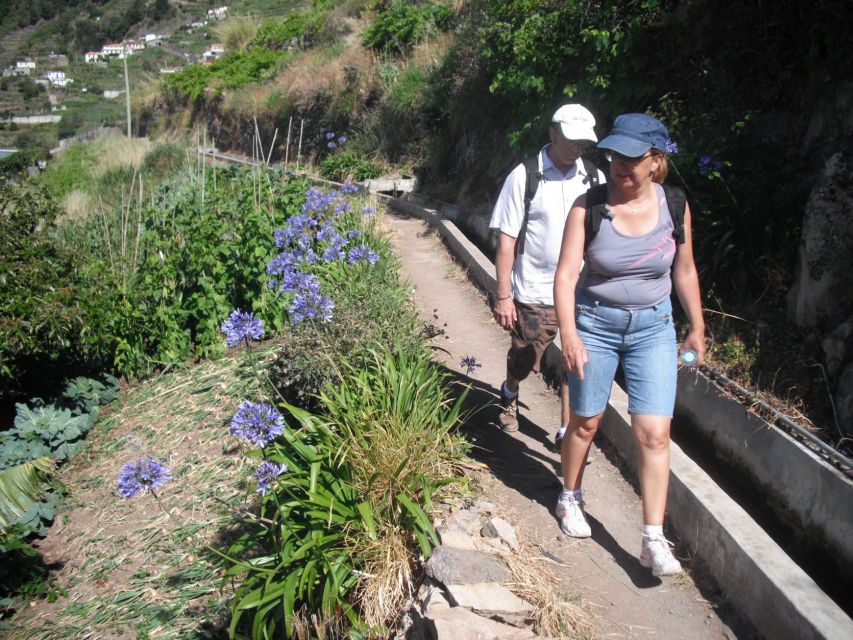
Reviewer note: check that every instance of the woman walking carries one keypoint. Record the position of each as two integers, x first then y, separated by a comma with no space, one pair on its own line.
618,312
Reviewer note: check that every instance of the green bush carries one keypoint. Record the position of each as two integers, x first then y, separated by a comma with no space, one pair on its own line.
40,306
402,26
370,309
347,165
277,35
359,483
232,71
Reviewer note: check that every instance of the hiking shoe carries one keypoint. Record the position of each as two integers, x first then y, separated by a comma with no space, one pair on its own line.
508,419
657,556
572,520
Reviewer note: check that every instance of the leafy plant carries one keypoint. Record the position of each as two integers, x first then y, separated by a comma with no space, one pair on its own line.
350,509
347,165
43,430
21,486
403,25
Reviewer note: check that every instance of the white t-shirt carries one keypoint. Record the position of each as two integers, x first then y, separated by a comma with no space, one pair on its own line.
533,270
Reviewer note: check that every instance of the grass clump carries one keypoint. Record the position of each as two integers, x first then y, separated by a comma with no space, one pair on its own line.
347,165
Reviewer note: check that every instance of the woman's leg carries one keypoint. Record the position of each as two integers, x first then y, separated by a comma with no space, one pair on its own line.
575,448
652,435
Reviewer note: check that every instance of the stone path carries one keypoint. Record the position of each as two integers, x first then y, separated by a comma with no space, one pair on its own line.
523,481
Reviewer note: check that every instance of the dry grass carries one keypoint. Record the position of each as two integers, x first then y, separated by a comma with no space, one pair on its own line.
314,73
557,615
142,567
387,586
236,33
77,205
145,94
113,151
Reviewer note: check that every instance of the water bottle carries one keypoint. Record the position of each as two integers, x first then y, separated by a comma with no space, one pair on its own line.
689,358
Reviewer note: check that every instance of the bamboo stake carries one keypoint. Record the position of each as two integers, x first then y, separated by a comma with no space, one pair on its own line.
272,145
287,146
299,149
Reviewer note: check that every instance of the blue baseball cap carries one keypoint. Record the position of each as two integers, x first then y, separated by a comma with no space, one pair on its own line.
635,133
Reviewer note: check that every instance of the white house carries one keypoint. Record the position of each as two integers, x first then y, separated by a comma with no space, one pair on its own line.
92,56
113,51
218,13
215,51
24,67
57,78
131,46
152,40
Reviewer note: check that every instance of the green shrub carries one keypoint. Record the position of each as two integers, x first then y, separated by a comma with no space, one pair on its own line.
347,165
399,28
232,71
42,319
280,34
359,483
163,160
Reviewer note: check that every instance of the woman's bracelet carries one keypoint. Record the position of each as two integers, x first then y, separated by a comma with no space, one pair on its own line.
499,298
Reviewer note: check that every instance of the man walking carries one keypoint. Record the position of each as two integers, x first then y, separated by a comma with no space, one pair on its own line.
530,215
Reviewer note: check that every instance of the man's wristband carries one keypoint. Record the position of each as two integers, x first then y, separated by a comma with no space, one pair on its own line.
499,298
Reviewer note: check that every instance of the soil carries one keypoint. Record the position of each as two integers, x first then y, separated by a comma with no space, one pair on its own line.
521,473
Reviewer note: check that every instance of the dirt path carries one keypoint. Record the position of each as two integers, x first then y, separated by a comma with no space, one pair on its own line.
626,600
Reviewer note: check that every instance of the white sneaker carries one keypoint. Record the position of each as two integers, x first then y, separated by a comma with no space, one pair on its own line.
657,556
572,520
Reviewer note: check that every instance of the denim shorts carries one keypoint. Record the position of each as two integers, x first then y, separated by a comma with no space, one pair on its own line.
642,341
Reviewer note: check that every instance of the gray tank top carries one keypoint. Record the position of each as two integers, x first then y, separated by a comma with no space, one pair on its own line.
632,272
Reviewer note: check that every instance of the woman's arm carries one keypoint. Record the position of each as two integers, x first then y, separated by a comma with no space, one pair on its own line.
565,281
686,281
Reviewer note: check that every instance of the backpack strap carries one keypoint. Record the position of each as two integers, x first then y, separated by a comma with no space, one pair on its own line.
596,210
532,178
591,173
675,202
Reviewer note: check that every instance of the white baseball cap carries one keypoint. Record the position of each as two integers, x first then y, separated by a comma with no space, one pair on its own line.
576,122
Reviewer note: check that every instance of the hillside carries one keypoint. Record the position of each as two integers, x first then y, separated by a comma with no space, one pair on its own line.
456,92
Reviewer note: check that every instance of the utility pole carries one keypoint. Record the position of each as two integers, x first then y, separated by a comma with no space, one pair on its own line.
127,93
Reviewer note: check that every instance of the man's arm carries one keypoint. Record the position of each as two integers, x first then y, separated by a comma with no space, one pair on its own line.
504,305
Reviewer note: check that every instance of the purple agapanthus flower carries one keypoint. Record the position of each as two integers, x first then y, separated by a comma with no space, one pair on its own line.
330,135
258,423
242,326
362,254
342,139
331,144
708,164
368,210
266,473
470,364
148,474
311,305
671,146
349,187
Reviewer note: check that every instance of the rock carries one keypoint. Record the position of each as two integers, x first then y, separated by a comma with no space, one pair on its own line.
432,597
500,528
461,624
484,507
459,566
487,598
465,520
820,295
844,400
456,539
837,347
